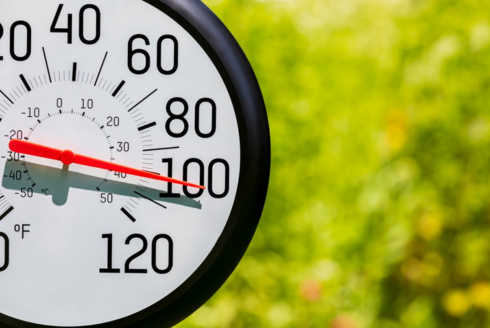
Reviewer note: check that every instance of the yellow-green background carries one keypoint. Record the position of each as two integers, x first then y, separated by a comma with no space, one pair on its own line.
378,211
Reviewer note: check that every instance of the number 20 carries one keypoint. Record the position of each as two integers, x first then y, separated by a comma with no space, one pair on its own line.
13,31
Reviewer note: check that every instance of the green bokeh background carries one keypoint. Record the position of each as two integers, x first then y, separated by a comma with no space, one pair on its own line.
378,208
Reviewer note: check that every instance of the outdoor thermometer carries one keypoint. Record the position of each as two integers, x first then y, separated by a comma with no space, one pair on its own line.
135,160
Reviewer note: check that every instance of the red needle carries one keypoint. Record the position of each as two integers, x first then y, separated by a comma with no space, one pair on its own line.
68,157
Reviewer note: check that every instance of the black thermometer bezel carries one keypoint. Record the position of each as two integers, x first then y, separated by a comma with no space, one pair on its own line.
237,73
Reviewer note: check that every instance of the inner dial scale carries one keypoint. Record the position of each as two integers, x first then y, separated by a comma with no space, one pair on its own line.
43,126
85,244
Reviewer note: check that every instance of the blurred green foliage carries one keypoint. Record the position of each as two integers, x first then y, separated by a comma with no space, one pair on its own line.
378,208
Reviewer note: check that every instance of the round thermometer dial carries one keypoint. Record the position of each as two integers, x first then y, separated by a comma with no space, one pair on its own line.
135,155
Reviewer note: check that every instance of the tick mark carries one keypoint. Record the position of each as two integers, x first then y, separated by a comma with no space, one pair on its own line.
10,209
152,172
167,148
147,126
151,200
25,82
47,66
127,214
119,87
74,73
6,97
100,70
143,100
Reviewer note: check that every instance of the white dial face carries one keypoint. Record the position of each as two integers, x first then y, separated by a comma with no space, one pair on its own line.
121,82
